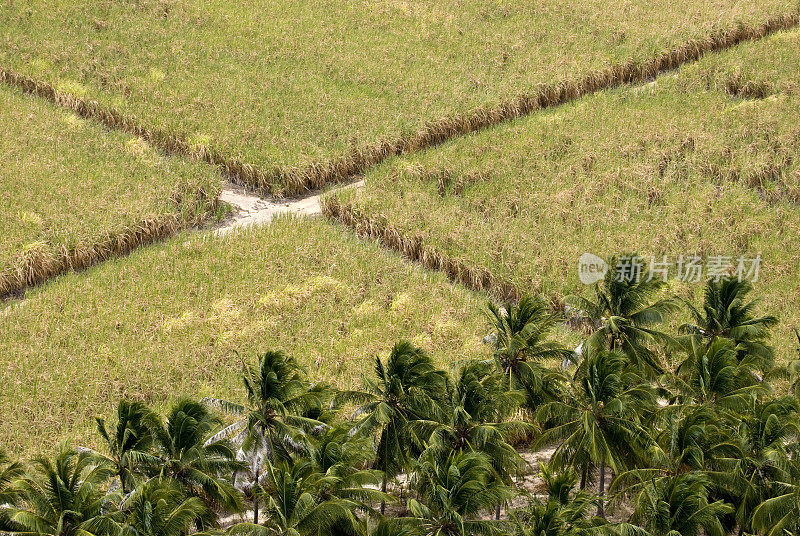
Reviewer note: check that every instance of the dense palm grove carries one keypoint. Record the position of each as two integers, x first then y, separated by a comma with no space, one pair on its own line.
653,434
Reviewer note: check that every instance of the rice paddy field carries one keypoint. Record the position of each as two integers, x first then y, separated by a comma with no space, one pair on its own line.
68,183
682,165
701,160
288,84
177,319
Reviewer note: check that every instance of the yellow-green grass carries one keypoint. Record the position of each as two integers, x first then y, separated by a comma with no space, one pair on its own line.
670,168
757,69
167,321
68,183
294,83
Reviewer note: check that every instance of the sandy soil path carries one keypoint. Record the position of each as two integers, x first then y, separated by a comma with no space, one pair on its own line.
250,209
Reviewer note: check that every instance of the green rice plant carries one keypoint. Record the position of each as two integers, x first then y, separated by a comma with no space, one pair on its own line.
76,194
668,168
180,317
292,95
757,70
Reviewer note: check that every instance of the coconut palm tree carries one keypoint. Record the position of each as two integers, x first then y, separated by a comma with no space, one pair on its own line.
794,367
408,388
521,348
726,313
479,417
272,423
453,491
293,505
64,497
625,313
563,513
599,421
9,473
780,513
128,441
679,505
198,466
159,508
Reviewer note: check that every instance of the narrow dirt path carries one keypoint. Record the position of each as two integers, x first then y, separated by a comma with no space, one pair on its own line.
251,209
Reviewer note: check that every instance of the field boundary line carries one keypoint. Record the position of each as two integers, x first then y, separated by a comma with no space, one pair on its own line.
414,248
170,143
43,262
294,180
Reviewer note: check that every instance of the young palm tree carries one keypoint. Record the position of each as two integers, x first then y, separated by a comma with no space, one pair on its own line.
9,473
293,505
128,441
64,497
159,508
679,505
393,527
625,313
727,314
563,513
273,421
408,388
780,514
453,491
712,374
764,433
521,347
600,419
338,458
196,465
693,438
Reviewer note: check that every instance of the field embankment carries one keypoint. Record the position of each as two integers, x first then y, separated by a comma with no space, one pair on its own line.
75,193
676,167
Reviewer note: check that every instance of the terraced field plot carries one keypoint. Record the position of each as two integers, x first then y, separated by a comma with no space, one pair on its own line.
68,184
666,169
294,83
166,321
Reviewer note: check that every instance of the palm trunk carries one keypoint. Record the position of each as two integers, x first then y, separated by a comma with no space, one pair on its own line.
602,488
383,489
584,471
256,489
385,465
497,512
